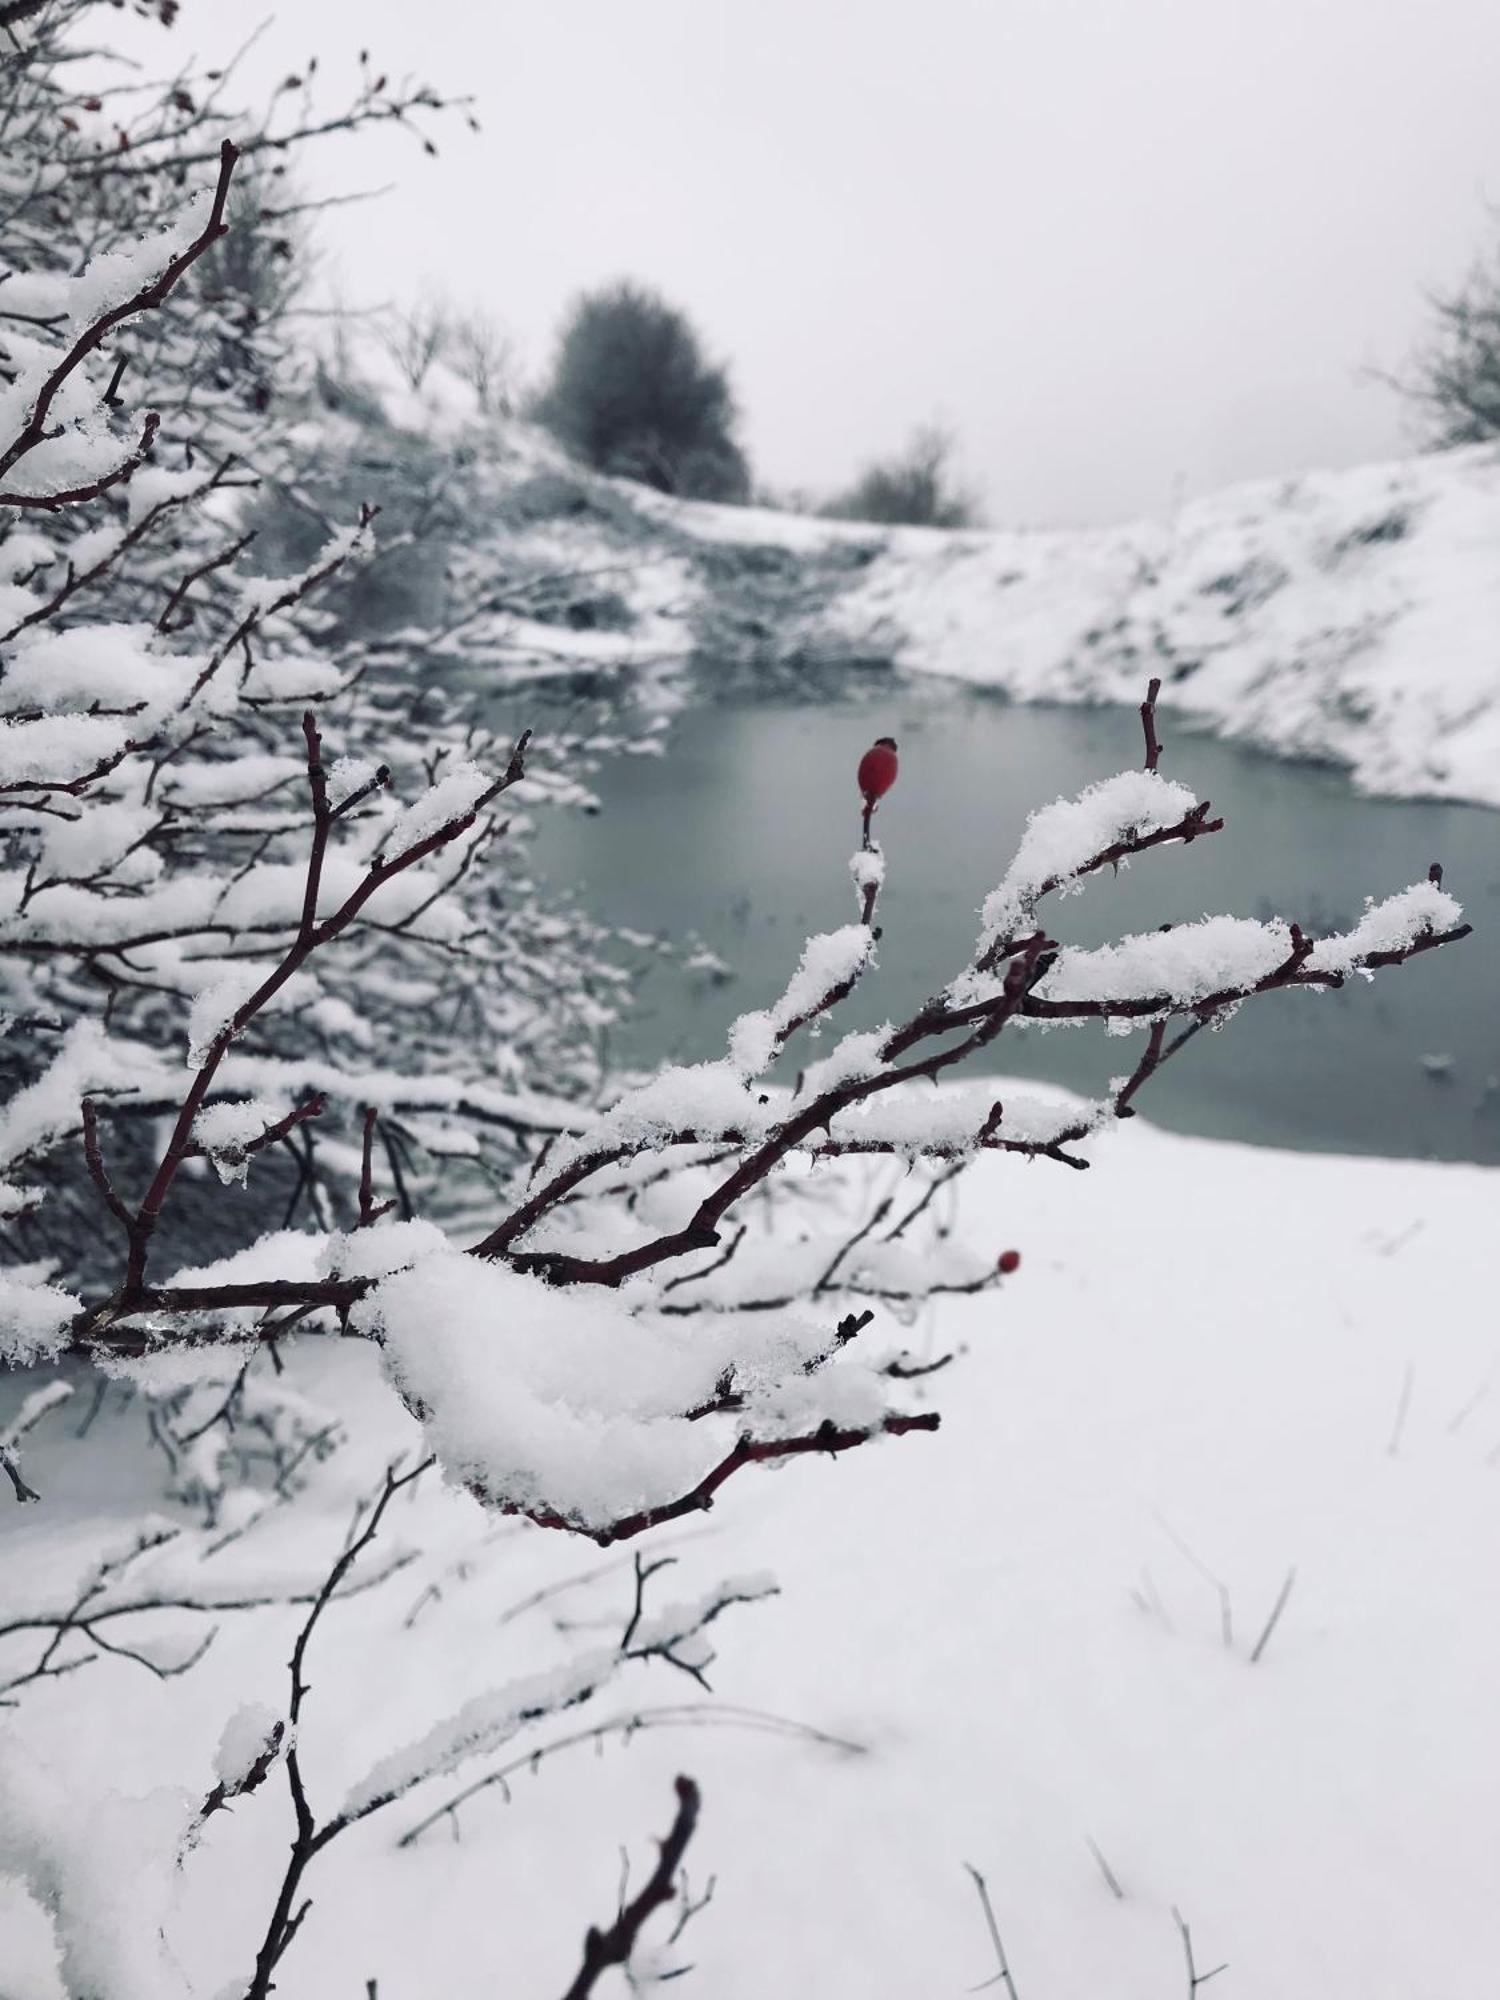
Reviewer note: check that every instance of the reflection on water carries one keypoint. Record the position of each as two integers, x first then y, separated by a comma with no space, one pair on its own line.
740,836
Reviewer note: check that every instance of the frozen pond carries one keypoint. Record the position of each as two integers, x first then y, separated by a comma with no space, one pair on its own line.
740,836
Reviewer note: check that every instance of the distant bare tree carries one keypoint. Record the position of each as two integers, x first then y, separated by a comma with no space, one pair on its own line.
417,336
1455,379
914,487
482,354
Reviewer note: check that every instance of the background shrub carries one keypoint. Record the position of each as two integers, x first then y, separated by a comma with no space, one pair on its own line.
633,394
914,487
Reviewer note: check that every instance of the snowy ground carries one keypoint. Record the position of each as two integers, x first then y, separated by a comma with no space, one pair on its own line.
1206,1348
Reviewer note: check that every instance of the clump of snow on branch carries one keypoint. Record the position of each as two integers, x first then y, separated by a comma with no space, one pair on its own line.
1392,924
867,866
922,1122
1061,839
260,594
453,797
108,1876
572,1403
830,961
214,1009
1186,963
227,1131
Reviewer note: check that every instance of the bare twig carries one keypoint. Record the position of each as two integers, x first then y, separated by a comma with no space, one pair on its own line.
1003,1976
1195,1977
606,1948
1219,1586
1276,1610
1104,1868
1403,1409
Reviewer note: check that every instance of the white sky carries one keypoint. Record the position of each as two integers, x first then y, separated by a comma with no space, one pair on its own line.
1129,250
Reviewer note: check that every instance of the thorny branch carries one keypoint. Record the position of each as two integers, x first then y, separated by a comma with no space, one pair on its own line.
1195,1978
287,1915
603,1949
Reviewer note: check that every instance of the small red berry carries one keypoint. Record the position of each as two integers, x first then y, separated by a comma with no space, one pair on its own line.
877,770
1008,1261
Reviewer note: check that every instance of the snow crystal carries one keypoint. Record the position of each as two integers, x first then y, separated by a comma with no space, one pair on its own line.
246,1736
346,775
1186,963
387,1246
451,799
215,1006
224,1131
829,961
81,666
1389,925
34,1320
1064,837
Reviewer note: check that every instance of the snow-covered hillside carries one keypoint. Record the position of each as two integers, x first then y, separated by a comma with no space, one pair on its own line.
1352,617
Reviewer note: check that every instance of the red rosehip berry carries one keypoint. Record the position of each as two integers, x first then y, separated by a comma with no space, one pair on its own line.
1008,1261
877,770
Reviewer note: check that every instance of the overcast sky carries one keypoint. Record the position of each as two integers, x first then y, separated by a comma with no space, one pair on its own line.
1128,250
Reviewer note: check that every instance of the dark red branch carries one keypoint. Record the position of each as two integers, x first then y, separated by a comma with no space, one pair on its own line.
75,495
310,936
369,1210
34,430
827,1440
1148,724
98,1173
221,560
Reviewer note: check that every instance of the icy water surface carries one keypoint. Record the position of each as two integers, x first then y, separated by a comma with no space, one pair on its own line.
740,837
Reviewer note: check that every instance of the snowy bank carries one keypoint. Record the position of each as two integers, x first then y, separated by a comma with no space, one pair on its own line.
1347,616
